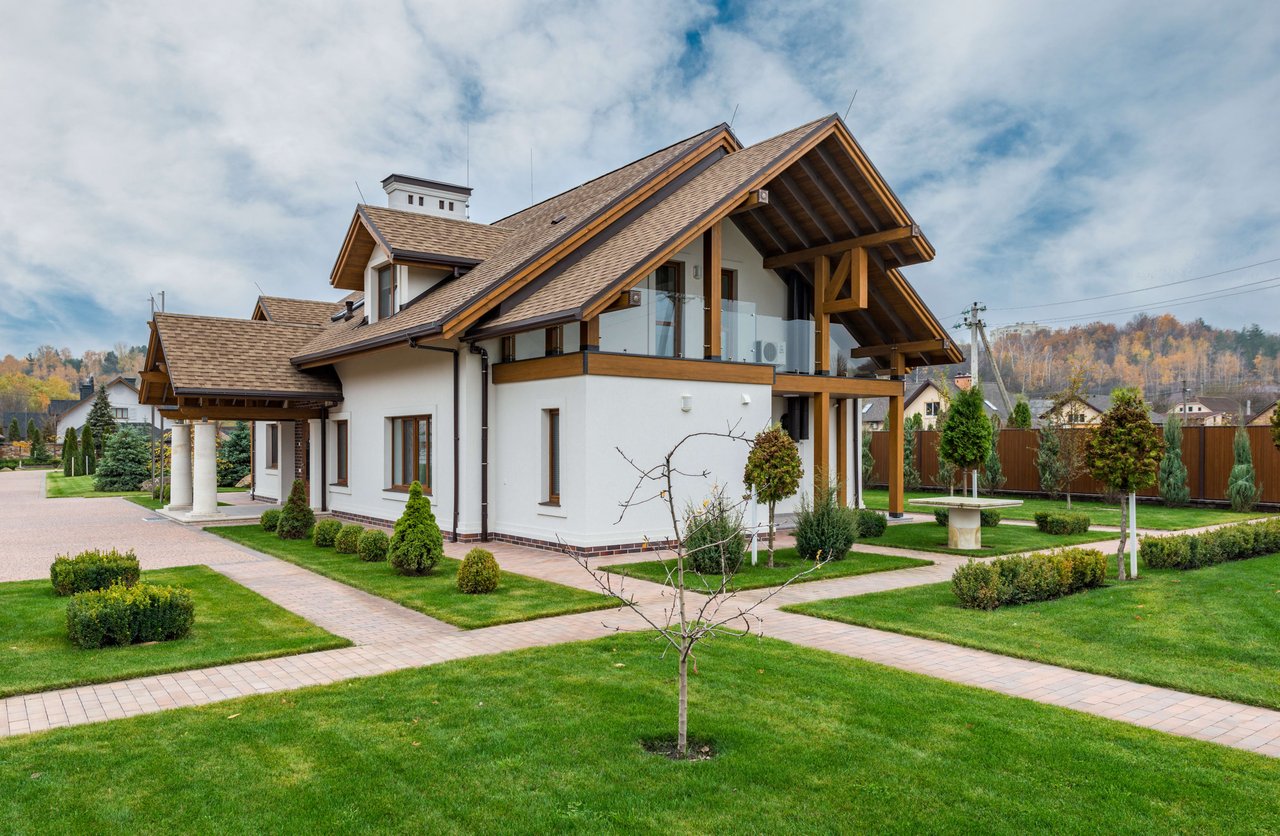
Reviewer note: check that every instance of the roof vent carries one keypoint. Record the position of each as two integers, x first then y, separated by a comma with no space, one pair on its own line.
427,197
558,218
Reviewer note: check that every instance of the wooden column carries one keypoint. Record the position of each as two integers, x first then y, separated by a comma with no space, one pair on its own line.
858,277
821,319
896,461
821,440
712,261
589,335
842,448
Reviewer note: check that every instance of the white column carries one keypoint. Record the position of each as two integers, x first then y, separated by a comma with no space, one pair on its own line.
859,502
180,467
204,471
315,429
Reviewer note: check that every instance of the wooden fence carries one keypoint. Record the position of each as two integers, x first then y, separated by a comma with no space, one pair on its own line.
1206,451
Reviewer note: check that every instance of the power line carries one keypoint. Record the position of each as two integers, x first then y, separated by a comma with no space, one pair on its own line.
1138,290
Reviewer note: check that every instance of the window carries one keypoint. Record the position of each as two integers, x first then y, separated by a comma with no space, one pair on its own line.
508,348
668,310
121,413
451,206
409,198
553,456
1075,418
555,341
931,408
419,200
386,291
411,452
442,204
273,446
340,448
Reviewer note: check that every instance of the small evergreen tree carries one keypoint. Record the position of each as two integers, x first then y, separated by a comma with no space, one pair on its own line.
1242,483
416,544
1053,474
1173,473
70,455
773,471
1020,419
87,451
32,431
1275,426
993,477
39,450
966,434
15,434
910,473
868,460
126,463
101,421
233,457
296,518
1124,454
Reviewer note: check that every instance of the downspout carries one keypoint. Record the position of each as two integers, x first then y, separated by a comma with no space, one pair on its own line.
484,440
457,442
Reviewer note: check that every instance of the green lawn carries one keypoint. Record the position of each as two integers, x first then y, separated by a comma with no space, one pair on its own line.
1003,539
232,624
546,740
58,486
517,598
1149,515
786,563
1209,631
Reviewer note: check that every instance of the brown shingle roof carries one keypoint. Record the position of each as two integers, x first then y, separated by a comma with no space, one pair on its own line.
531,234
298,311
416,234
217,355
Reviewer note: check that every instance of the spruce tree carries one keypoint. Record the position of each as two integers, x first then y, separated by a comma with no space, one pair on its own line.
126,463
70,456
87,451
233,457
1053,473
39,450
101,420
416,544
1242,485
1173,473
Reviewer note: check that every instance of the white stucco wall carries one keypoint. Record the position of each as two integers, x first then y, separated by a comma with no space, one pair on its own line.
121,396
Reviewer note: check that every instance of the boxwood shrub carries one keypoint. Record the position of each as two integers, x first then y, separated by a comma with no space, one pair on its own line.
325,532
348,539
122,615
93,569
479,573
1191,551
270,519
1061,522
871,524
988,519
1022,579
373,546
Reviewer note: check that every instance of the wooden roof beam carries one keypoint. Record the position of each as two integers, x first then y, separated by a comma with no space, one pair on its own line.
887,350
800,198
874,239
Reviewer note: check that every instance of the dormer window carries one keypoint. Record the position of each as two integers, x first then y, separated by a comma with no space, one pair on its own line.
386,291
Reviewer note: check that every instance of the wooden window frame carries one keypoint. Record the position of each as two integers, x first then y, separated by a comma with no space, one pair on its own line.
554,341
677,315
509,348
341,453
273,447
120,413
390,303
410,454
553,457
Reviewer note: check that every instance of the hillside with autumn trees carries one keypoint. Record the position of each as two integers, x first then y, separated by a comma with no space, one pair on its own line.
1155,353
28,384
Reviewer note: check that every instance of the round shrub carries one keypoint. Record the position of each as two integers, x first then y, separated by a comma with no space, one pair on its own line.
92,570
826,529
325,533
374,545
270,519
156,493
871,524
122,615
348,539
987,519
416,544
1062,523
713,541
479,573
296,518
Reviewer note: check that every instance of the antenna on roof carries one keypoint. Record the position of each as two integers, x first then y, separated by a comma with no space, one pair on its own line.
262,292
850,107
734,116
362,200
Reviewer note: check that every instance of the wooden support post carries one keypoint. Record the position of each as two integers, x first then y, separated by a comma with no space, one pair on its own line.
896,463
842,448
712,260
858,277
821,440
589,335
821,319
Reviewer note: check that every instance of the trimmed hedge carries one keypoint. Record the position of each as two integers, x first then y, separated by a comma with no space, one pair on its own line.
1192,551
92,570
374,545
989,519
1022,579
479,573
1062,522
871,524
270,519
122,615
348,539
325,533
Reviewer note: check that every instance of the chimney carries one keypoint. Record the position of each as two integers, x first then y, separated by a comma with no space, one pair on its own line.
963,381
427,197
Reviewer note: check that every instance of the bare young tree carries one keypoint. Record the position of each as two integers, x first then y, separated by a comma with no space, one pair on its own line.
705,609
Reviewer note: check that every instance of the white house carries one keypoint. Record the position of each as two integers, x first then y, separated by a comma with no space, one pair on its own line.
518,369
122,392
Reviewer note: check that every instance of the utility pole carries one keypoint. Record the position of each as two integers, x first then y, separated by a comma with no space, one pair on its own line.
973,323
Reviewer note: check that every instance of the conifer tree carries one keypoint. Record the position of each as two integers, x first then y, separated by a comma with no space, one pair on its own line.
87,451
1173,473
1020,419
233,456
101,420
416,544
15,434
1242,484
126,463
69,453
993,477
966,435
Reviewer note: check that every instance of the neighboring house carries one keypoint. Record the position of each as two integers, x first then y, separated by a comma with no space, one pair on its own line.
928,401
1208,411
1263,418
706,288
122,392
1083,411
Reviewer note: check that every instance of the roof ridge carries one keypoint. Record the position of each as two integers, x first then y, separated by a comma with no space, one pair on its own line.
167,314
459,221
298,299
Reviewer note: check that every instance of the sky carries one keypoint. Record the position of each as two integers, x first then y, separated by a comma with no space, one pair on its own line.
1050,151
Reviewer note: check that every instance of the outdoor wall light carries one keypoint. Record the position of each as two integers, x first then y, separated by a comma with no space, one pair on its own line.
686,403
746,399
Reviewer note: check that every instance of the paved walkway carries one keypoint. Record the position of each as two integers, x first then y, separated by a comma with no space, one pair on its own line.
389,637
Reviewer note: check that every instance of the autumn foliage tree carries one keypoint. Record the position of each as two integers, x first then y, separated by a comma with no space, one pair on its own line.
773,471
1125,453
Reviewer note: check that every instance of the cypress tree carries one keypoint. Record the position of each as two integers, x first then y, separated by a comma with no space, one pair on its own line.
32,432
15,434
993,477
87,451
39,450
1021,417
1242,485
70,456
1053,473
1173,473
